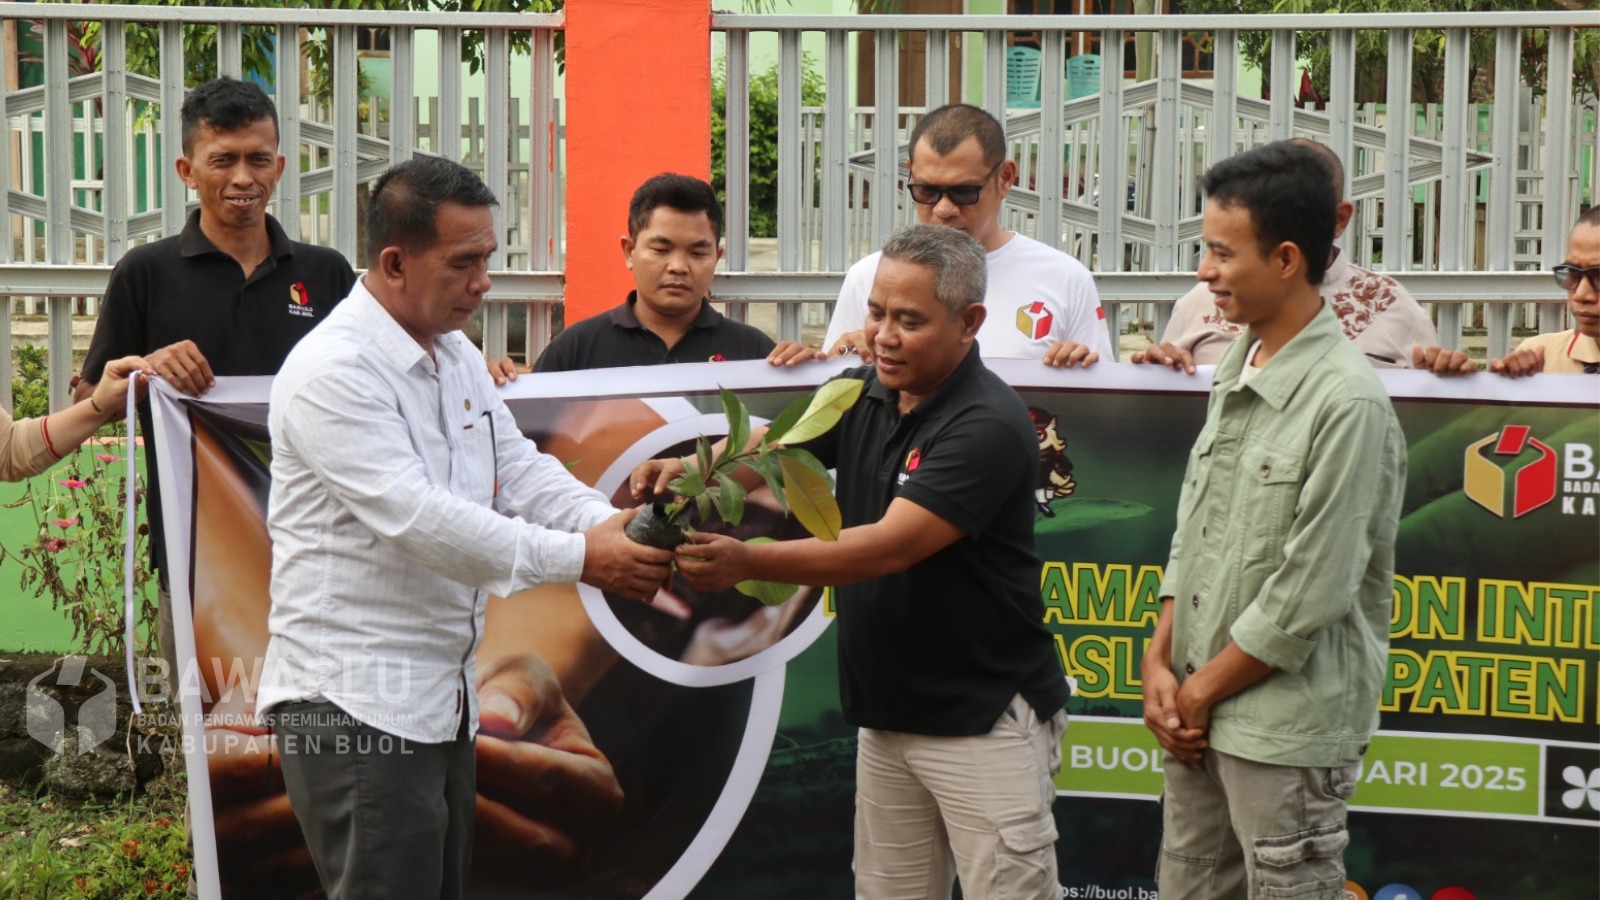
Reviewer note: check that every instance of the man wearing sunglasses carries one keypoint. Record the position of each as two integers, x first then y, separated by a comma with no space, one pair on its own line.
1042,303
1571,352
1577,349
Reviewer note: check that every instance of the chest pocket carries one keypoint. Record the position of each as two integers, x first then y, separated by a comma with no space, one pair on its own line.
1198,473
1271,477
473,462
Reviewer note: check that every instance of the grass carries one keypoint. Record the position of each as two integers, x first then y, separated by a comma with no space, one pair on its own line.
53,847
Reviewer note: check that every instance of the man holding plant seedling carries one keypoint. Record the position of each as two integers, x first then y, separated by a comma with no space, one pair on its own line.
403,495
944,663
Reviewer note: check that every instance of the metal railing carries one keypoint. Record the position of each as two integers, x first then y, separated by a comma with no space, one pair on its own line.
69,235
1483,197
1146,142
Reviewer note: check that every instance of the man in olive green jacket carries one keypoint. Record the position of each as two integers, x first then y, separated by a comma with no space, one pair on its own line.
1262,679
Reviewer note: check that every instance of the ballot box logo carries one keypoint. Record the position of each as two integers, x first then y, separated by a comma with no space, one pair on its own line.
1035,319
91,721
1511,473
300,301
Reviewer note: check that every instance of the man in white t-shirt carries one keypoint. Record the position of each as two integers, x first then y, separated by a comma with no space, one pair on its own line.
1042,303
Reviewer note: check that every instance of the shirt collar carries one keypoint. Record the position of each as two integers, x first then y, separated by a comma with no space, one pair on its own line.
193,242
1279,380
930,407
624,317
1582,348
399,347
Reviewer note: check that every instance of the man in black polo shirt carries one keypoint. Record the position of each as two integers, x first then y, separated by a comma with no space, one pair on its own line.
944,662
673,243
230,294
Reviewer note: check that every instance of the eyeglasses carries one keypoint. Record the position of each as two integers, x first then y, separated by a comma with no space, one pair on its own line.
1570,276
959,194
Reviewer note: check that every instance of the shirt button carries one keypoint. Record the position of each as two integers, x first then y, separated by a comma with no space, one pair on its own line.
1196,601
468,401
1266,470
1189,668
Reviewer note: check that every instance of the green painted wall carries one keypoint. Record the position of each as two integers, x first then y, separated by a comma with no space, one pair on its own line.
28,623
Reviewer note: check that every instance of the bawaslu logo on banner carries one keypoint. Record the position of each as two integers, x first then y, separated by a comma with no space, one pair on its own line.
720,716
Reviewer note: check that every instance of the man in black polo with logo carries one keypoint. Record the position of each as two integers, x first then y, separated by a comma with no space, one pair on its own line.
673,243
945,665
230,294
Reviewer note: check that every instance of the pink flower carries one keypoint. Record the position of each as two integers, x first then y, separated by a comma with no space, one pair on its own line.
57,544
106,457
73,483
63,523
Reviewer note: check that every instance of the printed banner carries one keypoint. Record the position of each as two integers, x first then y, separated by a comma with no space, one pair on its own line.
721,717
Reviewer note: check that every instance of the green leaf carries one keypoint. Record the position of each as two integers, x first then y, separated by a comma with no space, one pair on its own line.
702,455
730,500
786,419
768,467
770,593
810,460
702,505
828,404
689,484
810,499
738,427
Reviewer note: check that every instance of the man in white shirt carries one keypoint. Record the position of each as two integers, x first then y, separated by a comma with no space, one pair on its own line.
1376,313
403,495
1042,303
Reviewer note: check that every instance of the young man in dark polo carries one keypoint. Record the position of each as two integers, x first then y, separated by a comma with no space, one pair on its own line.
944,662
673,243
230,294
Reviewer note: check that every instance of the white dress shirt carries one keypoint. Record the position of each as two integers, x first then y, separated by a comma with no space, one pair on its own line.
388,530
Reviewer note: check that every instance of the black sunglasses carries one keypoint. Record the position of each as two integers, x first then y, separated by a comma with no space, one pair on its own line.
1570,276
959,194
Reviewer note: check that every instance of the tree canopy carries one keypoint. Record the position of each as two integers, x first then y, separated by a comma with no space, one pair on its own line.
1427,80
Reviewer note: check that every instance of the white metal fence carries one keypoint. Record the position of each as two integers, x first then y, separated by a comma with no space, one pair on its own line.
1485,195
58,241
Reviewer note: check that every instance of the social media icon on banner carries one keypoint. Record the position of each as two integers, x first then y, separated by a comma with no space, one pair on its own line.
1353,891
1453,893
1397,892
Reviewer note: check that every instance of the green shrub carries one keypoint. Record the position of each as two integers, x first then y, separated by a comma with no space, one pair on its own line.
763,139
50,847
30,389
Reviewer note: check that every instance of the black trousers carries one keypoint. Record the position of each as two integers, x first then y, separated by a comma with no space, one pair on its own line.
384,817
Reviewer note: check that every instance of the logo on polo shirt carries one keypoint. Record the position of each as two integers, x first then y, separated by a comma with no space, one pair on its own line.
300,300
913,459
717,357
1035,319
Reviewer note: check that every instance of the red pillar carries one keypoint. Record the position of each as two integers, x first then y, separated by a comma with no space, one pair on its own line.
638,103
